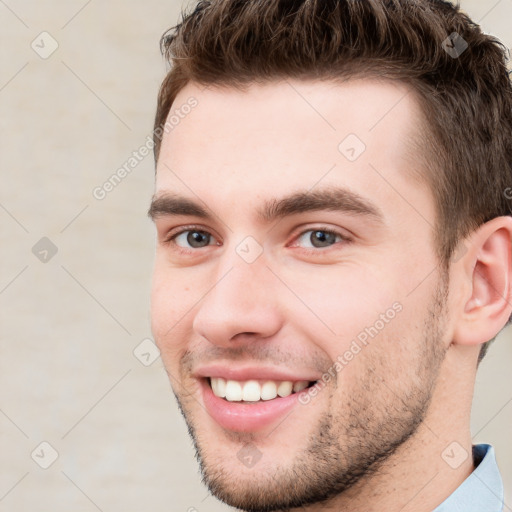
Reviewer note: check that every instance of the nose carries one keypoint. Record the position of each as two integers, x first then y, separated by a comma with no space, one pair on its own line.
241,306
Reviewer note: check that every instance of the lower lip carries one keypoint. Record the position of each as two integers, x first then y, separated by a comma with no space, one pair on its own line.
247,417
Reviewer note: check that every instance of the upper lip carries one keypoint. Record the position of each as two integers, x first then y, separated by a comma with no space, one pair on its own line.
243,373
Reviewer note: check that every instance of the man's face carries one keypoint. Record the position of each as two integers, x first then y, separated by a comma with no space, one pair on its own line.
343,289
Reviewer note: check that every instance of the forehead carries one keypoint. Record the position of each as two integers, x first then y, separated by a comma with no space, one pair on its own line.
236,146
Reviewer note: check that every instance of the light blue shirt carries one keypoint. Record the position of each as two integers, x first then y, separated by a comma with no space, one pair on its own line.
482,491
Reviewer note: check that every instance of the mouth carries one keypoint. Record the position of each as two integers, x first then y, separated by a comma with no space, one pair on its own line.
252,405
254,391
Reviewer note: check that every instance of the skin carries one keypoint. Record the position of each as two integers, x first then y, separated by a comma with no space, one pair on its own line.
373,437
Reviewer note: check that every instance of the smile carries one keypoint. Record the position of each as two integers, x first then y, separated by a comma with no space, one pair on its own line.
254,390
251,405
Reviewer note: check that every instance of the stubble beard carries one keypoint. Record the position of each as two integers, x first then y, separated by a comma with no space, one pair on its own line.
348,445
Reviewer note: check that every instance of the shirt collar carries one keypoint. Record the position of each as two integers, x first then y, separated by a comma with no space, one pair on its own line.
482,490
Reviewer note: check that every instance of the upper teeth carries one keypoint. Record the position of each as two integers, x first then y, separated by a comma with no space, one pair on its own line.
252,390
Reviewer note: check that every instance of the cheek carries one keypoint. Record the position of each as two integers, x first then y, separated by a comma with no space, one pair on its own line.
171,302
394,343
342,301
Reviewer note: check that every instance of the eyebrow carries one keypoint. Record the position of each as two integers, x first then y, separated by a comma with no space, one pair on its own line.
328,199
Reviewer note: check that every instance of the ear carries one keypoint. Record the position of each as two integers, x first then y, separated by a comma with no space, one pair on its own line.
486,272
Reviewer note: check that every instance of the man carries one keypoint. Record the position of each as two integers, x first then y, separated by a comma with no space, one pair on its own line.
333,249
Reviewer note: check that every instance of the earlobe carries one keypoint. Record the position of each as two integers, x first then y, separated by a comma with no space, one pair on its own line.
487,268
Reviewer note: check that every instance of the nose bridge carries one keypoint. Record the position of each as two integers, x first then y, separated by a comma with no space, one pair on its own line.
242,275
240,300
238,289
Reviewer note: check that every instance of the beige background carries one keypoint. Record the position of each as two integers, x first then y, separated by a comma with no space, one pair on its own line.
68,326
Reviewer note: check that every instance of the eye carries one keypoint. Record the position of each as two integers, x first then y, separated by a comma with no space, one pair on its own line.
320,237
187,239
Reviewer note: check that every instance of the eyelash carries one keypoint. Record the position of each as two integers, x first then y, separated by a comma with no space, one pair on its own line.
170,239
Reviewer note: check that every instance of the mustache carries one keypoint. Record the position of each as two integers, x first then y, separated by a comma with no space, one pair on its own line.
263,354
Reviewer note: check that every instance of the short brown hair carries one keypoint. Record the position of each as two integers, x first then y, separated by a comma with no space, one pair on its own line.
465,92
